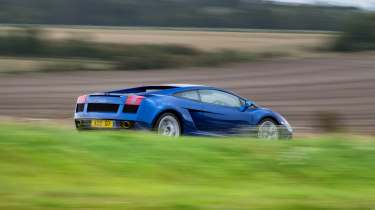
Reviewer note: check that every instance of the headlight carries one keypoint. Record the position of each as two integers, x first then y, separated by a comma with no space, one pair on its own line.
286,124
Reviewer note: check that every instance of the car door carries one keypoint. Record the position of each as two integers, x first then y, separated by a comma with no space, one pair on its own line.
190,101
220,112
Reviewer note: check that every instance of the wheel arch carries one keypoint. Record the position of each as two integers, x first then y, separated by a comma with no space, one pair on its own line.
269,117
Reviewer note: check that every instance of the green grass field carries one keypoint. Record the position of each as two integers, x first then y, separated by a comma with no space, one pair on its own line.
45,167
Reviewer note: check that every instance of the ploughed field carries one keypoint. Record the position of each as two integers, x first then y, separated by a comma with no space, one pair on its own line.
299,89
46,167
140,48
294,42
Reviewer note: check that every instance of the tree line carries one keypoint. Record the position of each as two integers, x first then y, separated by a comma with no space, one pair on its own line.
175,13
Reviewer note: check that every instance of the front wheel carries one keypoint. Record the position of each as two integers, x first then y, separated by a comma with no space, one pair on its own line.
268,129
168,125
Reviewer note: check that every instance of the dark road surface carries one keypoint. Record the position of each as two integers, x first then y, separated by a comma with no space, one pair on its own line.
299,89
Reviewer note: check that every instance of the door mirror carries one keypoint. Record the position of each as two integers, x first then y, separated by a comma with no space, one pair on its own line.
246,105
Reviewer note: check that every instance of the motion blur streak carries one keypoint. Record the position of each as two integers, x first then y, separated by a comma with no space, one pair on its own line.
313,63
300,89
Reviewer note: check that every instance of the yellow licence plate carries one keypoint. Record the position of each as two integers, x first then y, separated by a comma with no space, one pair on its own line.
101,123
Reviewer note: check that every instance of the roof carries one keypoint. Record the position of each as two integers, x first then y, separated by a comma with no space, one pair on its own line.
181,85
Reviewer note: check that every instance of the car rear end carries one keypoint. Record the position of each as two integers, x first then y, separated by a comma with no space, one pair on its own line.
110,111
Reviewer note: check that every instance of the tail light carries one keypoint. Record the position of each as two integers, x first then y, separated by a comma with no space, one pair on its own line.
134,100
82,99
132,103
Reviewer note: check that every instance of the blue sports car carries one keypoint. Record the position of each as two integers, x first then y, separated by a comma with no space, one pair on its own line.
174,110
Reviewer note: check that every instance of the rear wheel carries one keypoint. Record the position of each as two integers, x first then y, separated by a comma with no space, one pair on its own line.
168,125
268,129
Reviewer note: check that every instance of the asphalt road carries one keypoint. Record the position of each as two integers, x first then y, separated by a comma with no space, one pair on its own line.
299,89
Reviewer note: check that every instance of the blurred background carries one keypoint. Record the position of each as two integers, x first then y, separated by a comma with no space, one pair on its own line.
311,60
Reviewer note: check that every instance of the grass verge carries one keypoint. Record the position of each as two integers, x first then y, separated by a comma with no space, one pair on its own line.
58,168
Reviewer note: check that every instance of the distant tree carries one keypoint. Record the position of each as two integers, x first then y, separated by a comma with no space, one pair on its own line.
358,34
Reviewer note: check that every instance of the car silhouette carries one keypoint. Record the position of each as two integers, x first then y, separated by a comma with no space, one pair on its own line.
179,109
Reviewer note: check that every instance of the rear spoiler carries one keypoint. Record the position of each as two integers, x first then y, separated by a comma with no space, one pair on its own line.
142,89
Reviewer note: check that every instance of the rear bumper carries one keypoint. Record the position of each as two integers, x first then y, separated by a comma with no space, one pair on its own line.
141,117
85,124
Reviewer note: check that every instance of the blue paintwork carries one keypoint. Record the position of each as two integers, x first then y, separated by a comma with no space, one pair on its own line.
197,118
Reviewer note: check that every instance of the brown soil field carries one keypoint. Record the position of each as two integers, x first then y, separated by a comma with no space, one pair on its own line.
299,89
207,40
296,43
286,43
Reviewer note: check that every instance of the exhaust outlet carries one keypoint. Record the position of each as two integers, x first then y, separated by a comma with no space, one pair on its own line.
126,124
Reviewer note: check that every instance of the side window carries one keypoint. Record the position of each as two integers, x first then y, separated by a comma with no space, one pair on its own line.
219,98
192,95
